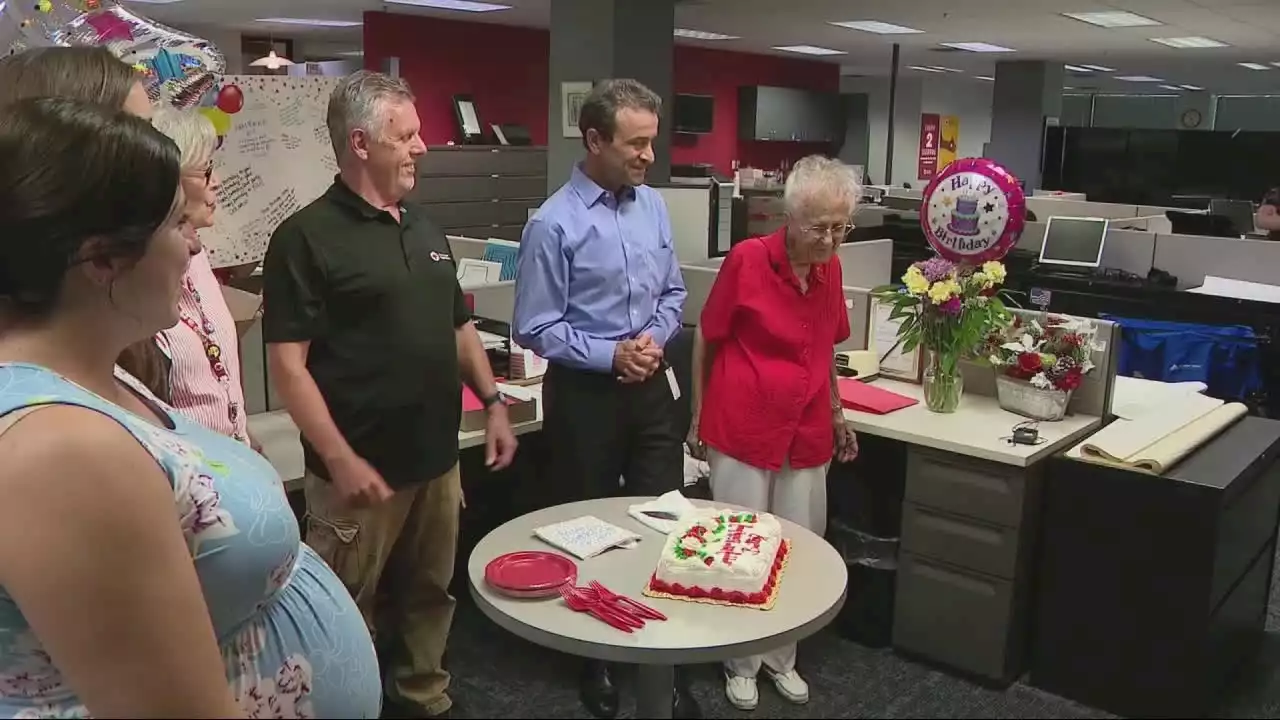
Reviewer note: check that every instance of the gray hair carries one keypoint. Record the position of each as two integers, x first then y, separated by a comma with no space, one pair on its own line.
359,103
817,181
600,108
192,132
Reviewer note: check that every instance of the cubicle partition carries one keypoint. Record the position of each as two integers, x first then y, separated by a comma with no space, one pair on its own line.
1045,207
857,303
1128,250
864,264
1191,257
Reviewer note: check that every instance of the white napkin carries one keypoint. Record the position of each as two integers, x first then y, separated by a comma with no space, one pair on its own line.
586,537
672,502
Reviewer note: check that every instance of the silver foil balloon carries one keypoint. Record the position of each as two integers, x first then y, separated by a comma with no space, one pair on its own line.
176,68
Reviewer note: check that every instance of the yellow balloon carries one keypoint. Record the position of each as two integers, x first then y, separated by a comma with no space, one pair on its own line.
221,121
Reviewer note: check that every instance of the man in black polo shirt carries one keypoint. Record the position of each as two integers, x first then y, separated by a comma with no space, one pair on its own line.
367,333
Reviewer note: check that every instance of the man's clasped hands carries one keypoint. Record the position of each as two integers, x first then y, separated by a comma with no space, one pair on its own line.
636,360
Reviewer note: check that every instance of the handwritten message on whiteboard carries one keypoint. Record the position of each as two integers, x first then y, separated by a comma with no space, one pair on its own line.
275,159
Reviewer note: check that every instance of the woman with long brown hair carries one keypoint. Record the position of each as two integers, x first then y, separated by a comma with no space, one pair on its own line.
207,391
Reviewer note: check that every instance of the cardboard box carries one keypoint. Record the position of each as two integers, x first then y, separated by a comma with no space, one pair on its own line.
474,418
245,307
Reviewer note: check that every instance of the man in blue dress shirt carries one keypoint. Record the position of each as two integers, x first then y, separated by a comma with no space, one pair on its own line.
598,294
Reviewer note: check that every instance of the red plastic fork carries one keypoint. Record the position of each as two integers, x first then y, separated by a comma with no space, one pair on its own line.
634,606
580,604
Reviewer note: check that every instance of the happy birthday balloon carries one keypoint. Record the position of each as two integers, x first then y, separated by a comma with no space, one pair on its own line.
176,68
973,211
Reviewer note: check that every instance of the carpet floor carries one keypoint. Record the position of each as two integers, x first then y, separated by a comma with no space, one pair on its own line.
498,675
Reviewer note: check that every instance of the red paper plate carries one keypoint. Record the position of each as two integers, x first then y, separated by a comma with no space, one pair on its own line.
530,573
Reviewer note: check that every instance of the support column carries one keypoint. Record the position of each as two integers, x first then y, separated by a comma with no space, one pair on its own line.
1025,94
597,39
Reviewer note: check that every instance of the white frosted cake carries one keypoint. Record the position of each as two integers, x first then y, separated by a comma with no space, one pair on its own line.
723,556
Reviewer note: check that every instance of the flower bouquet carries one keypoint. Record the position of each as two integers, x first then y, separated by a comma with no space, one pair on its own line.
947,309
1040,363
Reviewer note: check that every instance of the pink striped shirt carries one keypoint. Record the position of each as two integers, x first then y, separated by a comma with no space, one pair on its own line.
195,390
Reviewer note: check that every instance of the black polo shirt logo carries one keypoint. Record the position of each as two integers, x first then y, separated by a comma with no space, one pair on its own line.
438,256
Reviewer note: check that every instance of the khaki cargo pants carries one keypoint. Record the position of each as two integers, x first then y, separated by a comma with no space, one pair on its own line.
397,560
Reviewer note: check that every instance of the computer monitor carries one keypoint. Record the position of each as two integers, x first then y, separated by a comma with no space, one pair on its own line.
1074,241
1240,213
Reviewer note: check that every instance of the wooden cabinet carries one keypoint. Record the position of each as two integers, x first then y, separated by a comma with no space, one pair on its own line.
789,115
481,191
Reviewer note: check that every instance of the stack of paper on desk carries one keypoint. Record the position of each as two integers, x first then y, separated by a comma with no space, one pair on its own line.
1156,442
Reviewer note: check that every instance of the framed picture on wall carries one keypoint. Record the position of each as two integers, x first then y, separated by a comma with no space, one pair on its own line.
572,94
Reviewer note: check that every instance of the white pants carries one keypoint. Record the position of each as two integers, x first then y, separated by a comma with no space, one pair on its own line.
797,495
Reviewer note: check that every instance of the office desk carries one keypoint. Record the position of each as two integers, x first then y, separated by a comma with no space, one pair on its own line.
279,438
970,519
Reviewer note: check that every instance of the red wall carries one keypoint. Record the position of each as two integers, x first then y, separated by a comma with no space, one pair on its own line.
505,69
718,73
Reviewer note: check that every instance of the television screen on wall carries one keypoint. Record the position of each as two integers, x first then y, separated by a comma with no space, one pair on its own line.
693,113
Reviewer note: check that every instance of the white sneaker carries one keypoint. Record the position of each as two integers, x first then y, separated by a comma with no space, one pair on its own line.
741,691
790,686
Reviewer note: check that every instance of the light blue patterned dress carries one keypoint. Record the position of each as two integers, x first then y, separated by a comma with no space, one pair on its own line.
293,642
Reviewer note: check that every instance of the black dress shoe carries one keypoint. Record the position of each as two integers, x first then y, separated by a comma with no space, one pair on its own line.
684,706
599,694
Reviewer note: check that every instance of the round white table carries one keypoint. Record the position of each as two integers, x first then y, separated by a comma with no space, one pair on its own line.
812,592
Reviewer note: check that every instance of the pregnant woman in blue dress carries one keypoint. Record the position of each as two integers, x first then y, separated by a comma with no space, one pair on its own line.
148,567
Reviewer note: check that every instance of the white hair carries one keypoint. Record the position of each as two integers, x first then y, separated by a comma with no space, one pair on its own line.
192,132
359,103
818,183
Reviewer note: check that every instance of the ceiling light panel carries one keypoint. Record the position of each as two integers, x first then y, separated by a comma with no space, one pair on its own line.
877,27
1077,68
1099,68
922,68
988,78
311,22
1114,19
702,35
1139,78
460,5
977,47
1190,87
1190,43
1254,66
808,50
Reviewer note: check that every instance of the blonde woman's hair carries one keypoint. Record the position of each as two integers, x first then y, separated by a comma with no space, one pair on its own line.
191,131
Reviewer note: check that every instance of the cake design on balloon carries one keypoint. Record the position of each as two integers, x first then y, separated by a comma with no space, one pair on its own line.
964,218
973,211
723,557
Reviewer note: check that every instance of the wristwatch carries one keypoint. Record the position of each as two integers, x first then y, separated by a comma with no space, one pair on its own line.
489,401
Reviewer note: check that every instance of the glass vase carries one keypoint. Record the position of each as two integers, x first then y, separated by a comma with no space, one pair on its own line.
942,387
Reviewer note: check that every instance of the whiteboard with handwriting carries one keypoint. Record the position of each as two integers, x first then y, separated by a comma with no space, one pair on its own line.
275,159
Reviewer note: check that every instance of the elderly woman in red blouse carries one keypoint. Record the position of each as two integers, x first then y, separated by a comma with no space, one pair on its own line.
765,408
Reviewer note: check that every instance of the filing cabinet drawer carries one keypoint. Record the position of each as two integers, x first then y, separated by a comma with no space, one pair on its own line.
431,189
468,214
520,187
955,539
1244,526
435,189
967,486
483,161
484,232
953,616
